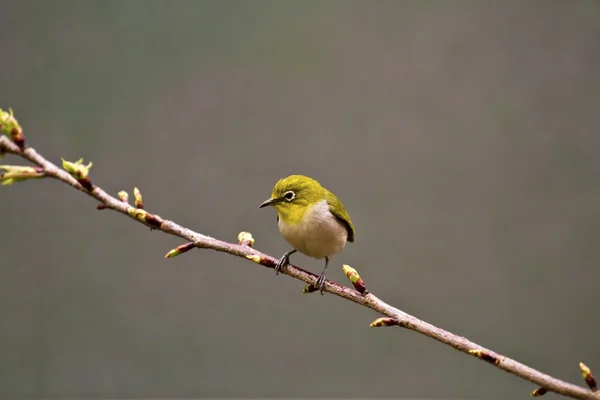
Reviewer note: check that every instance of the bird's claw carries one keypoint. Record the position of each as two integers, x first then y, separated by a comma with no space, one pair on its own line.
281,264
320,283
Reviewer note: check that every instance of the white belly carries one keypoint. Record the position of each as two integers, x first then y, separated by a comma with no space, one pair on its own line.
319,236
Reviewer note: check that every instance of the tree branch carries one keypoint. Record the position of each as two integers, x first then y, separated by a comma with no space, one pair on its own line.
76,175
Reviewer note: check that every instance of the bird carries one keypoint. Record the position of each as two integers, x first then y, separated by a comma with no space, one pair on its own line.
311,219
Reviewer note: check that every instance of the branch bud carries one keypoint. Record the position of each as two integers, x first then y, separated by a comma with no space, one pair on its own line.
137,198
310,288
180,250
245,239
485,356
123,196
19,173
79,171
384,321
539,392
588,377
11,128
144,216
355,279
254,257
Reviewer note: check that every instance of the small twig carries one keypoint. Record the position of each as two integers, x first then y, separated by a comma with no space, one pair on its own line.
394,316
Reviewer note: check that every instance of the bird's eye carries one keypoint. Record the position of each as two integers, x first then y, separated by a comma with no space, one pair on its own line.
289,195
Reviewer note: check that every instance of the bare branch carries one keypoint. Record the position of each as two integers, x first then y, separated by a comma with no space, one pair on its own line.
393,316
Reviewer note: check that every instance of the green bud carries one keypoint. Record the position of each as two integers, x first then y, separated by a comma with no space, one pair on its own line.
538,392
11,128
254,257
173,253
123,196
137,198
180,250
485,356
355,279
144,216
310,288
588,377
245,239
384,321
19,173
77,169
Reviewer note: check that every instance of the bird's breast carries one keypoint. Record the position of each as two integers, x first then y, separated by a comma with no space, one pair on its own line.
319,234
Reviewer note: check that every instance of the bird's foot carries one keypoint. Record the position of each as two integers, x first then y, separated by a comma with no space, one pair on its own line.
282,263
320,283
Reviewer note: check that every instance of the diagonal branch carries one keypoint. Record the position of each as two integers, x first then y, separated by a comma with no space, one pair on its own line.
394,316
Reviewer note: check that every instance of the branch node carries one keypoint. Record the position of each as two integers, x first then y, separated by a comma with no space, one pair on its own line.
100,207
245,239
485,356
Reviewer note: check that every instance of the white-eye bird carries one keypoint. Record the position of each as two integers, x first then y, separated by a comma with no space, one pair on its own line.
311,219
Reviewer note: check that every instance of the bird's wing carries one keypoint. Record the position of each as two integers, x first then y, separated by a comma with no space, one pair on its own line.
337,209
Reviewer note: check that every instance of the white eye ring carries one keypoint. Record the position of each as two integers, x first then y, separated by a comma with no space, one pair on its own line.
289,195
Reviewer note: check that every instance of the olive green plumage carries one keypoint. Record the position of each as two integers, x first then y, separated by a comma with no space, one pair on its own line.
311,219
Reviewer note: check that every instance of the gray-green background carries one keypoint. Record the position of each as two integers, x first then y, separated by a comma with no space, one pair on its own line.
462,137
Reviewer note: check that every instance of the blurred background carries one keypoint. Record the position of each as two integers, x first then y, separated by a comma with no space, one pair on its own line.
461,136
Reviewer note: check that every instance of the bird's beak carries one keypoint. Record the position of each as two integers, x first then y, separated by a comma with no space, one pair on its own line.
268,202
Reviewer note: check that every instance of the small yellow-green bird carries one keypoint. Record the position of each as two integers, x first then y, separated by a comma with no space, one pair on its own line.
311,219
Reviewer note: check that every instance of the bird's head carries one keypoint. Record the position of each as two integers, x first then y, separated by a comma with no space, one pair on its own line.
294,195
